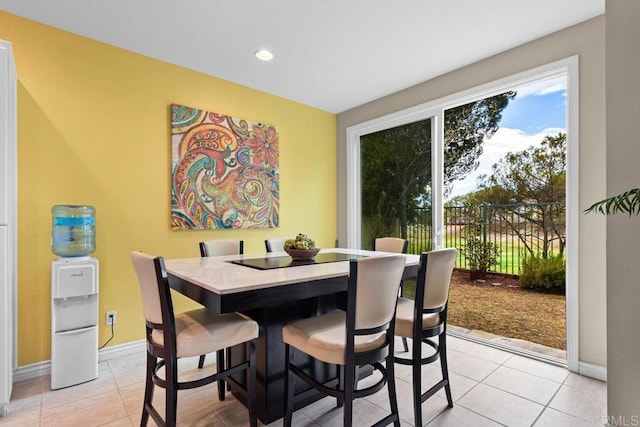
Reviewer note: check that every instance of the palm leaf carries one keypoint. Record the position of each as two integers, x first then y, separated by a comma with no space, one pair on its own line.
627,202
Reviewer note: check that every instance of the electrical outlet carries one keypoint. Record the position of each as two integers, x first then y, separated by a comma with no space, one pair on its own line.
111,318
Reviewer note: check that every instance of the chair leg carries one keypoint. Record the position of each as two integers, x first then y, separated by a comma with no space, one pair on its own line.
442,349
220,363
148,389
391,387
404,339
340,398
251,384
416,366
201,361
171,397
349,387
228,359
289,386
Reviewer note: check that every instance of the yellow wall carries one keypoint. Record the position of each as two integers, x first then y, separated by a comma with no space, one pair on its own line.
93,128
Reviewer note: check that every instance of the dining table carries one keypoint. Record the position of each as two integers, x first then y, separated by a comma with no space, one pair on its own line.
274,290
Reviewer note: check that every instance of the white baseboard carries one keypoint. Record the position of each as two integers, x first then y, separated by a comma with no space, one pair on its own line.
121,350
598,372
39,369
34,370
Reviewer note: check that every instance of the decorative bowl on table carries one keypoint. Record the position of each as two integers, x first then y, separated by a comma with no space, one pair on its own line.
302,254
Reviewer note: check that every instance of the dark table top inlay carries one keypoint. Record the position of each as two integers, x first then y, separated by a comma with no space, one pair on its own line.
287,261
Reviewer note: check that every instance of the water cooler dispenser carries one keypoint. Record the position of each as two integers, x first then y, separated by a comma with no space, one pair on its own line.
74,297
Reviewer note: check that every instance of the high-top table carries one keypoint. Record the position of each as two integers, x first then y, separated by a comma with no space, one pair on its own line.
273,297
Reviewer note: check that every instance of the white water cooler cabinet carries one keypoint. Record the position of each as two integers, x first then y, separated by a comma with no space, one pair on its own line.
74,321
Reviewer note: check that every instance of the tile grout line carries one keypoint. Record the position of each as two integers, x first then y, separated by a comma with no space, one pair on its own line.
477,382
502,364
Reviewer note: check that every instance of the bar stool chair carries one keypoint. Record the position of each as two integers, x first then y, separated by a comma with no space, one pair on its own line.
221,247
398,246
275,244
391,244
214,248
363,335
425,318
172,336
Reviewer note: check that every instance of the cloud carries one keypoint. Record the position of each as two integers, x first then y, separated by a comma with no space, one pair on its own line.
495,148
545,87
513,139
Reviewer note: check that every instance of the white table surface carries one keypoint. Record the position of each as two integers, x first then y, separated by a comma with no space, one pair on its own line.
220,276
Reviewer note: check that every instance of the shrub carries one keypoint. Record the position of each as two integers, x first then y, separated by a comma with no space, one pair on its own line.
543,273
481,255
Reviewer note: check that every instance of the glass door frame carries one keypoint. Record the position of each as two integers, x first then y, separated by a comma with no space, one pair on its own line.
435,109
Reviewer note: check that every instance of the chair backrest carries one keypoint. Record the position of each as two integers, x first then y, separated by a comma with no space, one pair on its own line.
151,277
275,244
221,247
373,289
391,244
434,277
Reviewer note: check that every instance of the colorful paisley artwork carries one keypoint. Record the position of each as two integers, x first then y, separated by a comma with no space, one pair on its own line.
224,171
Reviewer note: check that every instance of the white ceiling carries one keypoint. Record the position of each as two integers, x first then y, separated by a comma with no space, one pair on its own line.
329,54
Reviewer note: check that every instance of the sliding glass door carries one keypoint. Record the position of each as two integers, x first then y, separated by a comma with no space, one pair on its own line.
412,173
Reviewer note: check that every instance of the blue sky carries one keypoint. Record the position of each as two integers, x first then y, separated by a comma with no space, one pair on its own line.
533,113
538,110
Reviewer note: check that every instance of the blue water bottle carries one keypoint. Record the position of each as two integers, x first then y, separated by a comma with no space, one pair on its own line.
74,230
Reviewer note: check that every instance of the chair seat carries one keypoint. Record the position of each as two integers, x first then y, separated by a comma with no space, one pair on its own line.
324,337
201,331
404,318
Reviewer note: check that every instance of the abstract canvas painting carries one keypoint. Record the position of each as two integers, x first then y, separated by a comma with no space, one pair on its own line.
224,171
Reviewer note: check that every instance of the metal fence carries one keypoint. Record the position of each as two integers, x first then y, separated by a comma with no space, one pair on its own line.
518,229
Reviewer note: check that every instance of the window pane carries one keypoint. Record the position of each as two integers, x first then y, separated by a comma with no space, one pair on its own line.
396,185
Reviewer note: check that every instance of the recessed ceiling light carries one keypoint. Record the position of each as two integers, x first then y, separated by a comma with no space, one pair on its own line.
264,55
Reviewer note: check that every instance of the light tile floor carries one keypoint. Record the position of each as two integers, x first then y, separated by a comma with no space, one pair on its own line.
490,388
